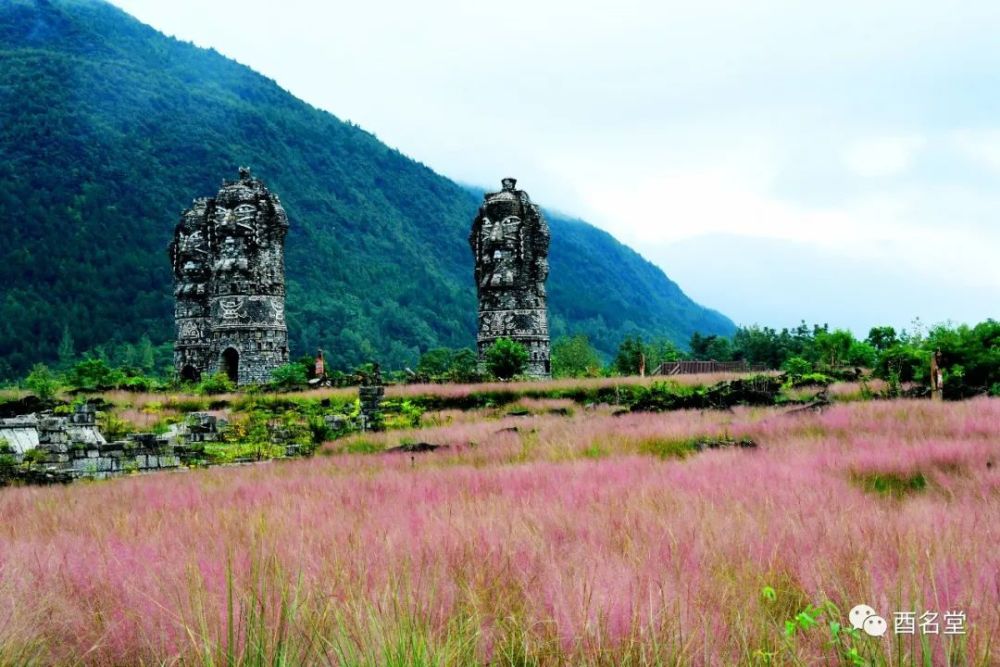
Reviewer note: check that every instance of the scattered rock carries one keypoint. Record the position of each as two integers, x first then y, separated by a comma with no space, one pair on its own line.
702,444
415,447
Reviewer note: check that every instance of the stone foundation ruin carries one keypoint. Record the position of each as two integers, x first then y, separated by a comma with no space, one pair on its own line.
67,447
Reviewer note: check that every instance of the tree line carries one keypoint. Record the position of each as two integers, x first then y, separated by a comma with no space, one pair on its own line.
969,358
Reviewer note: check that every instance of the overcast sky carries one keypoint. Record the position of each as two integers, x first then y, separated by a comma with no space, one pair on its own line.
837,162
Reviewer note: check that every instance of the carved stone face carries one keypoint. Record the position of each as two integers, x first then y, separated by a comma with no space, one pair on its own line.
500,251
191,255
235,219
231,256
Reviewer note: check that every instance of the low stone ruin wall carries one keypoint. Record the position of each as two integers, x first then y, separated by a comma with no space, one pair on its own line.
119,458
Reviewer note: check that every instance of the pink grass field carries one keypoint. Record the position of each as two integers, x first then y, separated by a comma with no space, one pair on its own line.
567,541
140,400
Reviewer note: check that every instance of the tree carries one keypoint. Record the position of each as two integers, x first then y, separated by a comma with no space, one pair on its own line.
719,349
146,354
631,357
289,376
464,366
573,356
881,338
796,366
436,362
67,349
901,363
42,382
460,365
93,373
506,358
698,345
833,347
863,355
661,351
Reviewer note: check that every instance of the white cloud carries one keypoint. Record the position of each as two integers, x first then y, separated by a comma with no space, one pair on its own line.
981,146
842,126
882,156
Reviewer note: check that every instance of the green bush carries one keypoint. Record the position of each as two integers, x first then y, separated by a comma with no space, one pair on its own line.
42,382
290,376
574,357
506,358
35,456
216,384
901,362
796,366
93,373
862,355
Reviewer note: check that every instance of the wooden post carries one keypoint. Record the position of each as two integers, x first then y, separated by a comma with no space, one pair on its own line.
937,377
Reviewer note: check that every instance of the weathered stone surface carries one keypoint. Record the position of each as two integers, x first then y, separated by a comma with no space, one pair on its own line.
371,417
510,242
228,257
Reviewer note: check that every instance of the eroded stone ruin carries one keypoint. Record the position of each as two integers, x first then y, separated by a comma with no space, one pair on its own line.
228,257
510,242
67,447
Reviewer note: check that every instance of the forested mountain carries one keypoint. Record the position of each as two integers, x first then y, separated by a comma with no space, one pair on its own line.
108,129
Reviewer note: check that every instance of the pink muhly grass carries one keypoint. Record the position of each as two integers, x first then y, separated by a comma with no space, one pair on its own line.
522,544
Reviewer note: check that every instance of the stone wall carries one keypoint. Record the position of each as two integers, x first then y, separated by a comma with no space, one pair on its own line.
64,448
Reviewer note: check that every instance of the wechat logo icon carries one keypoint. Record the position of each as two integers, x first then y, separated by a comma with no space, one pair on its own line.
864,618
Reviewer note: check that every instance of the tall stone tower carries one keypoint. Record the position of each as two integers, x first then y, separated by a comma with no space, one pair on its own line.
229,272
510,242
192,262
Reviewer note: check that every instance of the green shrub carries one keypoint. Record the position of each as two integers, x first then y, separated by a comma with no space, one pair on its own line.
901,362
667,449
506,358
216,384
574,357
93,373
894,485
42,382
362,446
796,366
290,376
35,456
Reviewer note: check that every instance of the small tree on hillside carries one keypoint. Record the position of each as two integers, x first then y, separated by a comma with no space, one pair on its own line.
67,349
506,358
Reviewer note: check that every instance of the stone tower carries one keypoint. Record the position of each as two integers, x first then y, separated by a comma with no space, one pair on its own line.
510,242
192,262
229,275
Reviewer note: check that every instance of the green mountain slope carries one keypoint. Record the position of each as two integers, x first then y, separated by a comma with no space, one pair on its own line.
108,129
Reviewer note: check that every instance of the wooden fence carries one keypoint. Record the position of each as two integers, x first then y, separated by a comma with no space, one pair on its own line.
691,367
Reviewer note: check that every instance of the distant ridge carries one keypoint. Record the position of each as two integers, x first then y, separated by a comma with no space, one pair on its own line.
108,129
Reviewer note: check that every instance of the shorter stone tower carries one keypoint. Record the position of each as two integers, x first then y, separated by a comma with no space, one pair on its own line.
228,257
192,262
510,242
